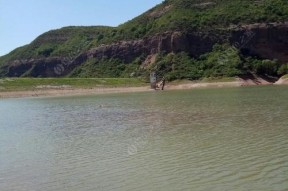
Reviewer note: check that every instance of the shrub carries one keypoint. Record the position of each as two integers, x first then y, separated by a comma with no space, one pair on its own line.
283,70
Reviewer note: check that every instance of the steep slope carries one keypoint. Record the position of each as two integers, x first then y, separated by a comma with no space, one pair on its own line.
257,28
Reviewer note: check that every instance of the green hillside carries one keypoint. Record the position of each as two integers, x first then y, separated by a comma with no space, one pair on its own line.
211,16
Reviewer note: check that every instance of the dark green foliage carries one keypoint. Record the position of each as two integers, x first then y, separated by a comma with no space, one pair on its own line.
177,66
207,15
102,68
223,61
283,70
267,67
45,50
105,68
3,71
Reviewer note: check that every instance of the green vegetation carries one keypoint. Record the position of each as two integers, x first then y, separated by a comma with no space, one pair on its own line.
206,15
269,67
22,84
283,69
105,68
213,16
223,61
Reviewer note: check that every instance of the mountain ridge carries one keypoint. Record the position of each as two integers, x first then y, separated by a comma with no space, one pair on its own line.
174,26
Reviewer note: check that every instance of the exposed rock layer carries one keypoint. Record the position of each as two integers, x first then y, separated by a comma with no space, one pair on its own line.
267,41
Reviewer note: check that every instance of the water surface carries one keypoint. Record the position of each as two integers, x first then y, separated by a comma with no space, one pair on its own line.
205,139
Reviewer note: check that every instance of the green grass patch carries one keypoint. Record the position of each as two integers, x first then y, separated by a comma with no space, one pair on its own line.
22,84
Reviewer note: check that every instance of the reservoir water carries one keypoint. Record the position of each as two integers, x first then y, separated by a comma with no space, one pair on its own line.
204,139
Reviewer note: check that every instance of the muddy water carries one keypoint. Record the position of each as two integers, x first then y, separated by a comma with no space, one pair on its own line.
205,139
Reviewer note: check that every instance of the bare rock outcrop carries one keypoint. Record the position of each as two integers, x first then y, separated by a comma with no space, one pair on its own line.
266,41
166,42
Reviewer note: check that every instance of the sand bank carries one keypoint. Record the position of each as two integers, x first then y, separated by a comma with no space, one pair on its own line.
70,91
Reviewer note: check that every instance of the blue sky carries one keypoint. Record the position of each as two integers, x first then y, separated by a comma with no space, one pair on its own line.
21,21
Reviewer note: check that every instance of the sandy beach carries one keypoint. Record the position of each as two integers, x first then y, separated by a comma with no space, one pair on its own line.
70,91
66,90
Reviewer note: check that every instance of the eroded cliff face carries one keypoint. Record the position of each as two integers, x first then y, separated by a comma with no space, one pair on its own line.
267,41
33,67
194,43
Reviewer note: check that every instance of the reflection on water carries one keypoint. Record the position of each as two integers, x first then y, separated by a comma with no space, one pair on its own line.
217,139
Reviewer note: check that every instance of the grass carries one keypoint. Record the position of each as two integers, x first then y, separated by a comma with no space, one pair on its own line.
204,80
285,76
26,84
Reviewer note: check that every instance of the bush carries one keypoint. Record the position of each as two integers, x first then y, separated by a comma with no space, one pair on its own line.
223,61
268,67
176,66
283,70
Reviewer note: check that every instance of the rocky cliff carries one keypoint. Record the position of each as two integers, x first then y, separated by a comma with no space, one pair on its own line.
263,40
169,42
266,41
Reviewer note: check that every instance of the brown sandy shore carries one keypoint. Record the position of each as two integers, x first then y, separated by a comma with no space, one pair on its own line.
97,91
70,92
66,91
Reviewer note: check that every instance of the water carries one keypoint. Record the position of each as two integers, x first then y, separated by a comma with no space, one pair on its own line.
217,139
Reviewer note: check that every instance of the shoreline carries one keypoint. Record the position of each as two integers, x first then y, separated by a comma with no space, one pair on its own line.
71,92
68,91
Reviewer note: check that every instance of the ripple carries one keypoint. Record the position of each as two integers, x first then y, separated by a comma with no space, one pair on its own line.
187,140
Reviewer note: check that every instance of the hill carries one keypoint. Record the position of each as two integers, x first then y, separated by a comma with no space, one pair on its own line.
189,39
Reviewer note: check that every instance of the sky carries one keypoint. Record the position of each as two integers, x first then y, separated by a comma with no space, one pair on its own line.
21,21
